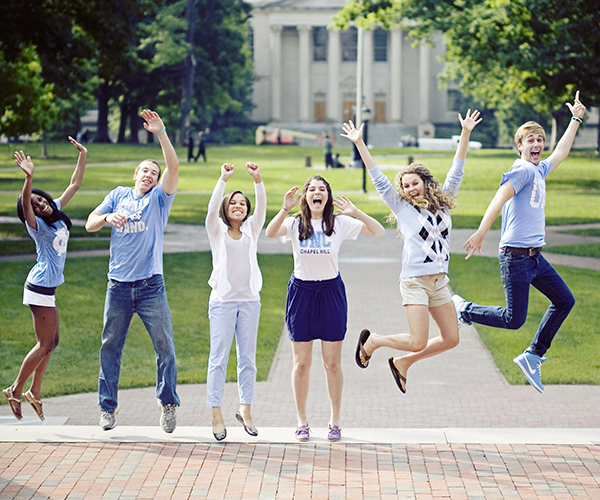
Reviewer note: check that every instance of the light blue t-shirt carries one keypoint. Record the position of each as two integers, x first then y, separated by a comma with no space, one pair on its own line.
523,216
136,249
51,249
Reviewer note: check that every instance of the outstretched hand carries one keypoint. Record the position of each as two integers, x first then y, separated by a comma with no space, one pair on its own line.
577,108
24,162
351,132
345,206
290,200
227,170
473,244
80,147
470,121
153,123
254,171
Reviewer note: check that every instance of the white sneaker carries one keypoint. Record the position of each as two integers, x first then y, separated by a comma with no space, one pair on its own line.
108,419
459,306
168,417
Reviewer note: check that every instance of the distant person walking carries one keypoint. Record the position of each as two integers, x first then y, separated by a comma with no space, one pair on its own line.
49,227
521,198
326,143
202,137
234,303
138,216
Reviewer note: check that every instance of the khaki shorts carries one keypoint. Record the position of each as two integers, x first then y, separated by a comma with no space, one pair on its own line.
431,290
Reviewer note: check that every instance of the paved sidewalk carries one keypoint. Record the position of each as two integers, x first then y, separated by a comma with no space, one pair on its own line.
455,402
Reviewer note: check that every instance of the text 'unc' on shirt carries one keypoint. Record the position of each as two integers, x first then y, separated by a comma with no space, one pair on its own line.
317,244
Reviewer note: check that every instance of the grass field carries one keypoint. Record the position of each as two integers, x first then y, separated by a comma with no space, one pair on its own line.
74,365
582,250
575,354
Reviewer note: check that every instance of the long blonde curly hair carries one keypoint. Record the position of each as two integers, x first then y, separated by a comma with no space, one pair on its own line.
434,198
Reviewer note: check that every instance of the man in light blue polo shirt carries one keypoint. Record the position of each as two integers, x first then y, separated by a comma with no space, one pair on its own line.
138,216
521,198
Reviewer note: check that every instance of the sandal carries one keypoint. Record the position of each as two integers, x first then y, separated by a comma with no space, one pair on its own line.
36,404
360,349
14,403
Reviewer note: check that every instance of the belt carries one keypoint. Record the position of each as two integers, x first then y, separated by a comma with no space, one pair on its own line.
531,252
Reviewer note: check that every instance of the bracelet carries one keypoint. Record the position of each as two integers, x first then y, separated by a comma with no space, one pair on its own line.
577,119
163,129
286,209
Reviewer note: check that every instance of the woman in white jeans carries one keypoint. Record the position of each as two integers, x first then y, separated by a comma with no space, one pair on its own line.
234,304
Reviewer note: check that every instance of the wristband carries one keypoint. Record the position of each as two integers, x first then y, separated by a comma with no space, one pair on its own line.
577,119
163,129
286,209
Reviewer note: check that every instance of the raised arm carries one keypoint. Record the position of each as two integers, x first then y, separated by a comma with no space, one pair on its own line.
504,193
26,165
274,229
356,136
563,148
260,195
212,215
468,123
154,124
77,176
371,227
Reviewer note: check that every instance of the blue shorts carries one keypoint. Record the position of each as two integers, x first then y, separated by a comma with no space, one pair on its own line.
316,310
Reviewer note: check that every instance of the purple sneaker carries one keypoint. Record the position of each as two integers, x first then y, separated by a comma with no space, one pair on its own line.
334,434
303,433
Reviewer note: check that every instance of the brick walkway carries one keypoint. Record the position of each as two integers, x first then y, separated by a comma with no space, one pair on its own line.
461,389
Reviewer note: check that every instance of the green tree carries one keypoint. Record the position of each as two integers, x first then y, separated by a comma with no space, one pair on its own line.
503,52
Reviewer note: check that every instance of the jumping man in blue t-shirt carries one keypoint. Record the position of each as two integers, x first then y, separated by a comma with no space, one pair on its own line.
521,198
138,216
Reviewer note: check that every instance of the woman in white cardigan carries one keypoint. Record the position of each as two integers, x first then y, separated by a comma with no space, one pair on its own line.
234,304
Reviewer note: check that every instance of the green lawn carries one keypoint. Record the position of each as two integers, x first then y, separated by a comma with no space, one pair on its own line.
74,365
573,190
591,231
582,250
575,354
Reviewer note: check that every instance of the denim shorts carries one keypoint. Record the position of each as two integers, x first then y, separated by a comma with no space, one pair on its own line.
430,290
316,310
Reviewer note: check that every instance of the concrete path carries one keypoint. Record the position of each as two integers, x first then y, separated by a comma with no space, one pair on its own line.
428,443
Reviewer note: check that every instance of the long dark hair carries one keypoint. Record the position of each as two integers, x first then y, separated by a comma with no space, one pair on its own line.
305,229
224,209
55,216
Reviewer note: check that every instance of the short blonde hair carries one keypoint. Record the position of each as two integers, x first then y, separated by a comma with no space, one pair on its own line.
527,129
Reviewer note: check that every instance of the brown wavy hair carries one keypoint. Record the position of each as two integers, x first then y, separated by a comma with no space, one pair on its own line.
434,198
224,209
305,229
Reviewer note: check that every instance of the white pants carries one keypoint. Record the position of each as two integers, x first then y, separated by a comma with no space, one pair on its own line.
227,319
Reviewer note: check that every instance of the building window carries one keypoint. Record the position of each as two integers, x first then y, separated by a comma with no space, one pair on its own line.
452,100
380,38
349,42
251,41
319,43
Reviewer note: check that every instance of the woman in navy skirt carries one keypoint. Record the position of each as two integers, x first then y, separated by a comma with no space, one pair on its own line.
316,306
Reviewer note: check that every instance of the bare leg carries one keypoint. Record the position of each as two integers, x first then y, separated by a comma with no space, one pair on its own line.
302,352
416,340
445,318
45,323
332,357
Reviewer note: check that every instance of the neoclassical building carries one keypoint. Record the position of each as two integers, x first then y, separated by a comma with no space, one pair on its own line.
306,74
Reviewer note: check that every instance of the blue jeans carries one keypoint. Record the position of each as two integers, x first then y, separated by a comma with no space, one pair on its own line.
147,298
227,319
518,272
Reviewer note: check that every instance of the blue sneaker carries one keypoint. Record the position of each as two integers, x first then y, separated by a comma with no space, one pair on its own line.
459,306
531,366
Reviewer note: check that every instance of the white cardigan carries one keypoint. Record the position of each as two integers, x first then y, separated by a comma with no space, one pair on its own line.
217,230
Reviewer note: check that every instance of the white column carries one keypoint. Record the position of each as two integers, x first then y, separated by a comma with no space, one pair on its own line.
395,75
304,67
424,53
275,42
368,56
334,55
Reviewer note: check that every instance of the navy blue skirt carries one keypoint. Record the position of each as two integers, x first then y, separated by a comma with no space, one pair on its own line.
316,310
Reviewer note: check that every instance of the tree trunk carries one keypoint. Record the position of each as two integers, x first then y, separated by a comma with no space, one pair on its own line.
124,106
103,97
188,76
44,146
134,123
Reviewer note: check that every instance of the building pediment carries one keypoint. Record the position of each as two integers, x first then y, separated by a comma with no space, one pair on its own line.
298,4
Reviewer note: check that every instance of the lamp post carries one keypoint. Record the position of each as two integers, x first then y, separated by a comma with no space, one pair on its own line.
366,116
